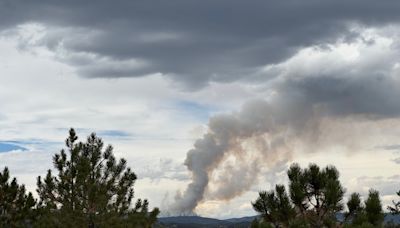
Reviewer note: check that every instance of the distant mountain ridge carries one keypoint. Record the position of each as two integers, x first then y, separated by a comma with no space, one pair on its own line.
202,222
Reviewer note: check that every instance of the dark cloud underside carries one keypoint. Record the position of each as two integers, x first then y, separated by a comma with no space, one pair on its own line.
193,42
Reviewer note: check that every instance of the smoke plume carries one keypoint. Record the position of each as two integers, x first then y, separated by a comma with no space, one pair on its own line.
305,114
233,152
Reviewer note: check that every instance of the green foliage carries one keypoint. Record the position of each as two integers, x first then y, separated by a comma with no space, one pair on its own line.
355,209
354,204
91,189
373,208
16,207
141,217
362,225
299,222
370,215
317,194
274,206
315,198
259,223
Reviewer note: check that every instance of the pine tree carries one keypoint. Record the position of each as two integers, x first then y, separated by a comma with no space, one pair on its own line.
315,198
355,209
356,215
260,223
141,217
317,194
369,215
16,207
274,206
373,208
91,188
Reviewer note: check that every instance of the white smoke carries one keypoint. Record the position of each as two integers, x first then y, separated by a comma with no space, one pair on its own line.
320,100
232,153
228,159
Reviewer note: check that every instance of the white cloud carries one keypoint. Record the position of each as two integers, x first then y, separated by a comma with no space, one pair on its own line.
39,95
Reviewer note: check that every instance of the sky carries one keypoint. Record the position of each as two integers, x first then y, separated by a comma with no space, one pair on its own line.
209,101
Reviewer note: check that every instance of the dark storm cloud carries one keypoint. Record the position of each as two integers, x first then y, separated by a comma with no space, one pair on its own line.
191,41
373,96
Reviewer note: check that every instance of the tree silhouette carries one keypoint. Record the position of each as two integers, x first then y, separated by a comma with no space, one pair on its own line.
369,215
274,206
16,207
355,212
373,208
396,206
91,189
316,196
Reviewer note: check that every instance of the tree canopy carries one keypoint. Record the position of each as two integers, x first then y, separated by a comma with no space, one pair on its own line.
91,188
314,199
275,206
16,206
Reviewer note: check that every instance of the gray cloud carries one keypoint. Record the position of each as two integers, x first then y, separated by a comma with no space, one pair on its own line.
369,95
395,147
192,42
195,43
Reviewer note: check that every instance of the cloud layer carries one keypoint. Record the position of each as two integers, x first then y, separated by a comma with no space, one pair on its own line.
147,76
191,42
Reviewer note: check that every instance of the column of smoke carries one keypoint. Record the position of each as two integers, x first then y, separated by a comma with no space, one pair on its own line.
308,113
235,149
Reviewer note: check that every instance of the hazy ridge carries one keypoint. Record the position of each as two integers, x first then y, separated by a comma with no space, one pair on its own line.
200,222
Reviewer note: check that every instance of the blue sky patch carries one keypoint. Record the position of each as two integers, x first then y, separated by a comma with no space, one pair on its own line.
113,133
195,110
7,146
83,132
24,144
